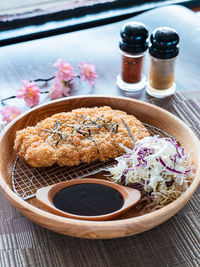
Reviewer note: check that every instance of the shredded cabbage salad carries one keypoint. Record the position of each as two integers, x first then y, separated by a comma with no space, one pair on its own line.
158,167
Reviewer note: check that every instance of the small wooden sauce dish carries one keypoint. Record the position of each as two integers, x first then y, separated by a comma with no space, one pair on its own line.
88,199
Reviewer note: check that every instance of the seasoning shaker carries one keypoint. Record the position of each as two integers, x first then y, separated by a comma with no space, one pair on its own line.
133,45
163,50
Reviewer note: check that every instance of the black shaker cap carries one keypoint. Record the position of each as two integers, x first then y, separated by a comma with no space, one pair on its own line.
164,43
133,38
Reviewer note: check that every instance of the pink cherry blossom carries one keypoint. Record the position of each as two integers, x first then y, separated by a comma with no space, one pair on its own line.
59,89
30,92
65,70
9,113
88,72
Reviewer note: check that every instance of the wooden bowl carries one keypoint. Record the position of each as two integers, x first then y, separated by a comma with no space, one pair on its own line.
130,223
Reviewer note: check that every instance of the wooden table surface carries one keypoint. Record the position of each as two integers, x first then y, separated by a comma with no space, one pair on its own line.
33,59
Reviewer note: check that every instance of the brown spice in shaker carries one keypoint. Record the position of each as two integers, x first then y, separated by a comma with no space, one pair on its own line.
161,74
132,69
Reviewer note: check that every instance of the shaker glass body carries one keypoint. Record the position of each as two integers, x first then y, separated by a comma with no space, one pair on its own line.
132,77
161,74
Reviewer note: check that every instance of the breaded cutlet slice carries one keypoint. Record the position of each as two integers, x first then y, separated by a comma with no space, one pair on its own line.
82,135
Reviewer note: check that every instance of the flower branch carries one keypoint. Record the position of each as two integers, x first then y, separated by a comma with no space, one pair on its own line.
44,80
7,98
62,82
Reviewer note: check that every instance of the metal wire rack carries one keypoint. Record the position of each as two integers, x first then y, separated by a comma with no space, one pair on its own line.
26,180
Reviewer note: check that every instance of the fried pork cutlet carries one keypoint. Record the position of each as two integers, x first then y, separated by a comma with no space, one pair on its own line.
82,135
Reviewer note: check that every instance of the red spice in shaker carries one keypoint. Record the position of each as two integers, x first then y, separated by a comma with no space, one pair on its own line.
132,69
133,45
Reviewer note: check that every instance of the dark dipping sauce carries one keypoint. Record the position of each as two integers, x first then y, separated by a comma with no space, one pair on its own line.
88,199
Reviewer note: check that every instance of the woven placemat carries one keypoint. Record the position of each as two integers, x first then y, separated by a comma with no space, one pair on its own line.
174,243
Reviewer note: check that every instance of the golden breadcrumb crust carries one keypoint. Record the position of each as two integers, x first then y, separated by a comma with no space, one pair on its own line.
82,135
